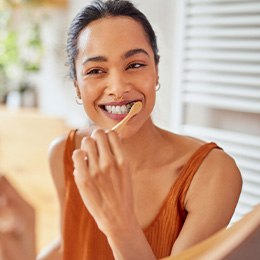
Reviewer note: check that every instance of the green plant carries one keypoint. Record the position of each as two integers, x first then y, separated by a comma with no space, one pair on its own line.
19,55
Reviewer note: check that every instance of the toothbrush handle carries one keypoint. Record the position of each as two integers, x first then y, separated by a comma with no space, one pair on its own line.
121,124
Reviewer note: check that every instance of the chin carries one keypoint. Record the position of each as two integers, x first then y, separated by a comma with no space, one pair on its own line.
128,133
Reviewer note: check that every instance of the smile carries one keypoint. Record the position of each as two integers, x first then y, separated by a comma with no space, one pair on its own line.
118,109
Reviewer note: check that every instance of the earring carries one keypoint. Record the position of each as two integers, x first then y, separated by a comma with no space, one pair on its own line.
78,100
158,87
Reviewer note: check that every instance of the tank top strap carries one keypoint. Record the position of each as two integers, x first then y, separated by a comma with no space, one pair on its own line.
189,170
67,156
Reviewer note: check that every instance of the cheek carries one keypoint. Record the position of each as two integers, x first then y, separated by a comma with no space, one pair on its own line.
149,80
89,91
149,91
89,95
150,95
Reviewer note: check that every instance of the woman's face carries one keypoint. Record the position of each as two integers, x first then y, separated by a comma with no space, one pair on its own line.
115,67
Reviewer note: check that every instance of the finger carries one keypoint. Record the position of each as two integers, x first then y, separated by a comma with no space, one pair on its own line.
103,145
80,165
116,147
89,146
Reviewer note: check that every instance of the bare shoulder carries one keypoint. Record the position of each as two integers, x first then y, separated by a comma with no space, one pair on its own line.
57,146
211,199
217,182
56,151
219,168
183,147
56,161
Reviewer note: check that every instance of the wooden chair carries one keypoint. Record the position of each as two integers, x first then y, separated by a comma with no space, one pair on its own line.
239,242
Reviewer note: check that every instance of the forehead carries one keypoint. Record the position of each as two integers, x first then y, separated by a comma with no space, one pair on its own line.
112,34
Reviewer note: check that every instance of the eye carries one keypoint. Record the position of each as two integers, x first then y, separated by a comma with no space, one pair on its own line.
135,65
95,72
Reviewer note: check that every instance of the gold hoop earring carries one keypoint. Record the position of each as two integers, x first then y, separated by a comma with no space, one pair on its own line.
158,87
78,100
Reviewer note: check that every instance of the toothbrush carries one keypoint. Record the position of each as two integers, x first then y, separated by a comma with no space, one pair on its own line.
136,108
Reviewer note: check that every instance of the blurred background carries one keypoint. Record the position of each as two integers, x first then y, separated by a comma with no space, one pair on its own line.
209,76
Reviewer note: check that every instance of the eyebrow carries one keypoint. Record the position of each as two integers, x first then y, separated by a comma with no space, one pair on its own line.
133,52
95,59
126,55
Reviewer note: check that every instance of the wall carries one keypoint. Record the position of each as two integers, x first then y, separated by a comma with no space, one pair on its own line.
160,14
56,92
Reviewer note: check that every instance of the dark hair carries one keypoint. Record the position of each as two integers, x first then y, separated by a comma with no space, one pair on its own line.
97,10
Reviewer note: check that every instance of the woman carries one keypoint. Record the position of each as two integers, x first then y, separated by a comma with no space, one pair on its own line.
144,193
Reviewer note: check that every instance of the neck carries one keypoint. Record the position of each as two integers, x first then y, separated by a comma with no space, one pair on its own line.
143,146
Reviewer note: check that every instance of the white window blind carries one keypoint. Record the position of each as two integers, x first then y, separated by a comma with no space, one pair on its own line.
217,82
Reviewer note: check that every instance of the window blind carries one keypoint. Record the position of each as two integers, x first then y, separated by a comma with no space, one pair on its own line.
218,70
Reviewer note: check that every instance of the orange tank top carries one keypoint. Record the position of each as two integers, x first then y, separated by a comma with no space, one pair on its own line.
82,240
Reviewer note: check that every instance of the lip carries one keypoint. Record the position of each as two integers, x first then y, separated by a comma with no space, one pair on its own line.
116,117
121,103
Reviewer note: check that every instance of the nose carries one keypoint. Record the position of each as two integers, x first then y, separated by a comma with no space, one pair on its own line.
118,85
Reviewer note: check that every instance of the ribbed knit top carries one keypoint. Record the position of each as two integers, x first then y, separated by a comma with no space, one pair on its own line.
81,236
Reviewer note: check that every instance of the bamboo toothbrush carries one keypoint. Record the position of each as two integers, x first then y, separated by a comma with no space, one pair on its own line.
136,108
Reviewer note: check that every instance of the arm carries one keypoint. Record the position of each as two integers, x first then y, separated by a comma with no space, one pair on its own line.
54,250
211,199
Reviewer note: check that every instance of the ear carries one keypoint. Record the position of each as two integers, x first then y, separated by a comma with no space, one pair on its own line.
77,88
157,75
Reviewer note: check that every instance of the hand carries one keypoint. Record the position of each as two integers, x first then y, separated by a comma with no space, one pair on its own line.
17,224
103,179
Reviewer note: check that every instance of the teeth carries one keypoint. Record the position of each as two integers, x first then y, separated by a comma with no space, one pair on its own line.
119,109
